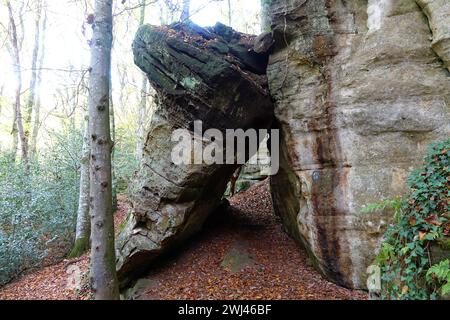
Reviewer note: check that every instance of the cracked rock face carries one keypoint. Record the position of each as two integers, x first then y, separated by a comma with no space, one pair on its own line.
360,89
208,74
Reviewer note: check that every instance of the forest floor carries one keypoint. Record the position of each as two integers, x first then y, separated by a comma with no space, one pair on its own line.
241,254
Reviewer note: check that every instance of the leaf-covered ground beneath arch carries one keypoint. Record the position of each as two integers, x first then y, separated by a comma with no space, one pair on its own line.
241,254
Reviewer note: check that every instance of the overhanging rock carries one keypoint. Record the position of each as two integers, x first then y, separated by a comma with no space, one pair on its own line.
208,74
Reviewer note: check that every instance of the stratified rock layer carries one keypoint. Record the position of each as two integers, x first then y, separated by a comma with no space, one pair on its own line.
212,75
361,88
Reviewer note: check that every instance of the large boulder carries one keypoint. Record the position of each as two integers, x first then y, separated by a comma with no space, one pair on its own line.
360,89
208,74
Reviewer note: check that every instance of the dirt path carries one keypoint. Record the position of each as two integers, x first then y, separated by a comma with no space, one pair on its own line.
241,254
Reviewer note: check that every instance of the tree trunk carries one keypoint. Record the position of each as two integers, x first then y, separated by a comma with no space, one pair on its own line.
266,21
1,98
185,12
229,13
34,71
15,138
37,104
15,53
103,268
113,133
83,230
142,105
141,119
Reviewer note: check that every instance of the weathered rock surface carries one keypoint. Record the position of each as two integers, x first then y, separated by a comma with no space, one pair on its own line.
438,13
212,75
361,88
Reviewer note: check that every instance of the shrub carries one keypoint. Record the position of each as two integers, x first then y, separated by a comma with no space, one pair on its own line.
421,218
38,208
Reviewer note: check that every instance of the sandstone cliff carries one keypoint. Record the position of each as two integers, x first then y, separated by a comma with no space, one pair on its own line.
360,89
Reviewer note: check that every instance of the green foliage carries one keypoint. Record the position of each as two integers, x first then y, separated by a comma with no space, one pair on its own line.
242,186
38,209
394,204
421,218
439,276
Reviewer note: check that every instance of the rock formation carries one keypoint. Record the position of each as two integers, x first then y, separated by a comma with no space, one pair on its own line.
360,89
208,74
438,13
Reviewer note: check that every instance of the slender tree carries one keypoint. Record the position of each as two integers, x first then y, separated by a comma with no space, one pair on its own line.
229,13
37,103
15,137
15,44
83,229
1,98
34,72
143,101
113,149
185,11
103,271
266,20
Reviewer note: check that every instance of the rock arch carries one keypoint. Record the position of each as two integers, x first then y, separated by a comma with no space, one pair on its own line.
357,98
208,74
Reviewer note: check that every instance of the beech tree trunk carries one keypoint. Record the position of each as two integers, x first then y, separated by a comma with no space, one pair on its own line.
266,21
229,13
15,54
34,60
15,138
113,135
1,102
83,230
141,119
103,268
37,104
143,103
185,12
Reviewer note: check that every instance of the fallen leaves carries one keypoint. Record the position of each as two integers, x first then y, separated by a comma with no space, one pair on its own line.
422,235
278,268
433,220
51,283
